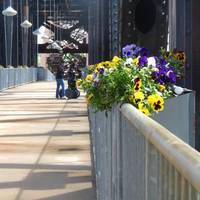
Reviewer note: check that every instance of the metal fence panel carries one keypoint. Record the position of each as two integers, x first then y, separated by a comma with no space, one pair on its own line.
134,162
12,77
182,125
136,158
1,80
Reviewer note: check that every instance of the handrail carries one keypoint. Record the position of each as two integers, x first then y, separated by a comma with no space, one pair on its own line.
183,157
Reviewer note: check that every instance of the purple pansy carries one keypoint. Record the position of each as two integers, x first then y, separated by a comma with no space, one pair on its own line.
163,62
171,76
143,61
164,74
101,70
94,75
143,52
95,81
156,57
134,51
128,51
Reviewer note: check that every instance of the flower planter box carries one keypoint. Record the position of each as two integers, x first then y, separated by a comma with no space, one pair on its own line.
179,117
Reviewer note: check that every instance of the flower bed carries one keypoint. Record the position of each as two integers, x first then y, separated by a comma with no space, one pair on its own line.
143,81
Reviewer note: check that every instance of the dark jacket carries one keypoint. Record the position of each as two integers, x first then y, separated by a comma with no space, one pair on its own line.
60,72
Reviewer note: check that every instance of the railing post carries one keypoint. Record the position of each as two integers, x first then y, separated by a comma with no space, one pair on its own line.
116,189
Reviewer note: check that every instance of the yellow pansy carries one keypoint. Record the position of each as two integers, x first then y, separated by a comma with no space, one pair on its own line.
107,64
161,88
155,98
112,65
156,102
89,98
180,56
89,78
136,61
78,82
137,84
116,59
91,67
99,65
143,109
138,97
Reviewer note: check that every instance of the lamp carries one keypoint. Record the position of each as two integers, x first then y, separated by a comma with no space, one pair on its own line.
55,45
44,36
9,11
26,24
50,41
39,31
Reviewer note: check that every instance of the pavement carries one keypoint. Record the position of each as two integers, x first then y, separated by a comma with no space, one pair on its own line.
44,145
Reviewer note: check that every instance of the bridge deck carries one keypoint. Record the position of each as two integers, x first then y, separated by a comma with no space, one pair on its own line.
44,145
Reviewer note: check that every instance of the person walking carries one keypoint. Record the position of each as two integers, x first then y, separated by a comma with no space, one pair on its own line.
60,82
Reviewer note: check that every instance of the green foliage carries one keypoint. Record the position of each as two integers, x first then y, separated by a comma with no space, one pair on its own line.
143,83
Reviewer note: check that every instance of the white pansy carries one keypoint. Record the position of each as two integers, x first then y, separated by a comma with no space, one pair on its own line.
145,68
151,61
129,61
155,69
111,70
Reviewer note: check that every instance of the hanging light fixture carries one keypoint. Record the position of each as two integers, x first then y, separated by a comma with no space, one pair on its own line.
39,31
26,24
44,36
54,45
50,41
9,11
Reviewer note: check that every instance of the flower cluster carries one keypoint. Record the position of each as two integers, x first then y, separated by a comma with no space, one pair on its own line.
176,59
143,81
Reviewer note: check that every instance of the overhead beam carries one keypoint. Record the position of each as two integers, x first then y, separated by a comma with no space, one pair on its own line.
83,48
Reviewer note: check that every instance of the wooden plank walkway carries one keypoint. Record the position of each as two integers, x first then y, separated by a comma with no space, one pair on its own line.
44,145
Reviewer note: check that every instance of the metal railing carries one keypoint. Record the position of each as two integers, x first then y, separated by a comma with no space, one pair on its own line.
12,77
135,158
